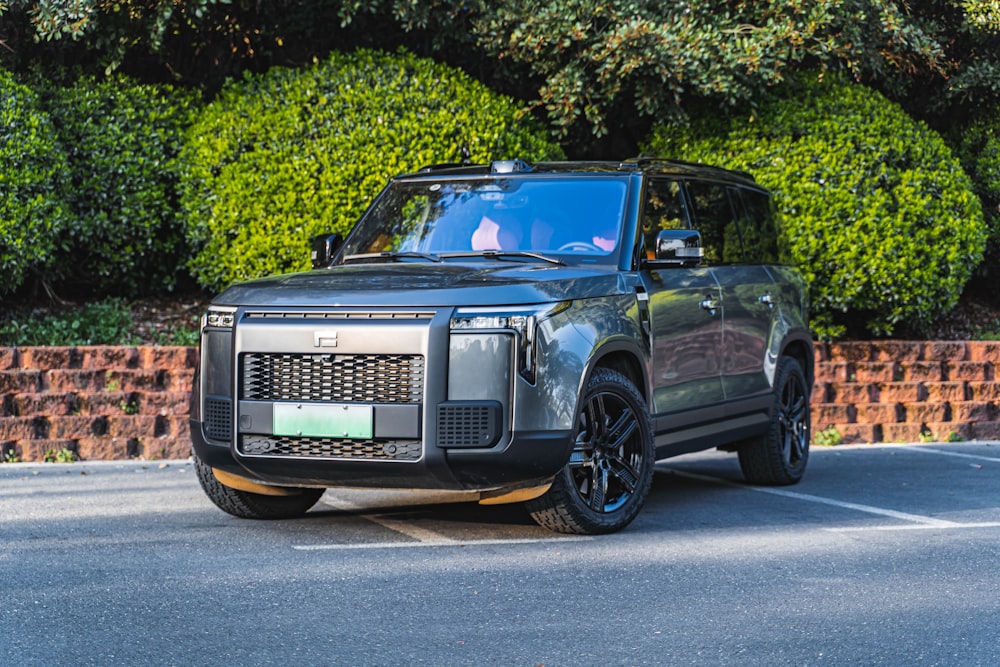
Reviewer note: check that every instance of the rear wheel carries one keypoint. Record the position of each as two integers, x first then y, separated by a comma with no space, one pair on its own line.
609,473
779,456
247,505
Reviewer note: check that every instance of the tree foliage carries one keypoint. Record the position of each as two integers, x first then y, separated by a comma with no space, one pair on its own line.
876,211
281,157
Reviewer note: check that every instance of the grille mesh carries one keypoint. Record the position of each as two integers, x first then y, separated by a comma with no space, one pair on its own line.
468,425
330,448
218,418
357,378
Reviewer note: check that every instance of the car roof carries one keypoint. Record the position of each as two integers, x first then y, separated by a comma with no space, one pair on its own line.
641,165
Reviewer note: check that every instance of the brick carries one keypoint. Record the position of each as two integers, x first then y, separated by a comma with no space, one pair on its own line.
74,380
984,350
181,380
37,450
833,371
8,358
918,413
20,382
853,351
165,448
949,431
879,413
859,433
945,351
876,371
73,428
24,428
985,431
175,404
821,352
135,380
984,391
898,392
173,358
973,411
901,432
832,413
49,358
109,357
107,449
820,393
108,403
45,404
922,371
133,426
946,392
896,350
850,393
968,371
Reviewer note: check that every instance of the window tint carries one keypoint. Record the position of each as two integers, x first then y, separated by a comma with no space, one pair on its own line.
713,217
760,236
663,209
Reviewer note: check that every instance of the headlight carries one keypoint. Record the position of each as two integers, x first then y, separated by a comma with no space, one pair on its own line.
219,317
522,320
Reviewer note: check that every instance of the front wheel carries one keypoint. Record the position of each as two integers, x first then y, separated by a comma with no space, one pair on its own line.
609,473
247,505
779,456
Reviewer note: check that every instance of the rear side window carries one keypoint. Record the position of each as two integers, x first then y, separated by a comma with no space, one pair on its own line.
757,228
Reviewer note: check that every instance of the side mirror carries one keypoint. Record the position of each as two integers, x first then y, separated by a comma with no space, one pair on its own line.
679,247
323,249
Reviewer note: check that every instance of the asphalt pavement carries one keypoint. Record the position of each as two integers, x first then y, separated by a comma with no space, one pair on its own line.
883,555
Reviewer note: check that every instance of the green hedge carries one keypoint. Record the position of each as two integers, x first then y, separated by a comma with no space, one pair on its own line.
32,185
978,146
280,157
126,236
876,211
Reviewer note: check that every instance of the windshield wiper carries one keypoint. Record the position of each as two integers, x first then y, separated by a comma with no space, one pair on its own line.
389,255
504,254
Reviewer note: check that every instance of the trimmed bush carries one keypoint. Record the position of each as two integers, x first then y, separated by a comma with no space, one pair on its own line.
122,138
281,157
32,185
876,211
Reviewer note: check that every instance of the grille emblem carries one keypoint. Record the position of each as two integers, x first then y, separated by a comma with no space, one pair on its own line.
325,338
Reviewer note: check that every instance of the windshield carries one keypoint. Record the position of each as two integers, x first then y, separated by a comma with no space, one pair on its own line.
546,215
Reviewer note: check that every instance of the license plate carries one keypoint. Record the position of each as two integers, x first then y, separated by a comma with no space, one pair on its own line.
322,421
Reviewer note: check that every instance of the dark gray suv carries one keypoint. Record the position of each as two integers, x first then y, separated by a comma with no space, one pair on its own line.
526,333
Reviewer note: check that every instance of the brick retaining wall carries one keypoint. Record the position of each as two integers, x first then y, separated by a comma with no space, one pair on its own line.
129,402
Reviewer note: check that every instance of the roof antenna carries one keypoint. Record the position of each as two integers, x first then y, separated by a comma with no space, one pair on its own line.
466,155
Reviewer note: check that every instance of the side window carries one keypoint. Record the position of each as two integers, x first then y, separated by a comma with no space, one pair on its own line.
760,235
663,209
713,217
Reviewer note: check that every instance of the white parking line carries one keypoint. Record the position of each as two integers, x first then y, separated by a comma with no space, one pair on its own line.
932,450
441,543
916,521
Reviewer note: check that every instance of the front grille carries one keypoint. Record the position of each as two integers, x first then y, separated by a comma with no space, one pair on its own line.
341,378
330,448
218,417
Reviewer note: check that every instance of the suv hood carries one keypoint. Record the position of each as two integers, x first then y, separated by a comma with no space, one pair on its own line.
432,285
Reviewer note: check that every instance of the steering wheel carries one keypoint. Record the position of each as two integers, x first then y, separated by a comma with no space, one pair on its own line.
579,246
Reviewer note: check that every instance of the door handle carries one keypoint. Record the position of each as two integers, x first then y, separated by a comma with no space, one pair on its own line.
711,304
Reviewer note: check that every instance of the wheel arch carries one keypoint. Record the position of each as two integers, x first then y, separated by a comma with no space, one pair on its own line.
621,357
800,347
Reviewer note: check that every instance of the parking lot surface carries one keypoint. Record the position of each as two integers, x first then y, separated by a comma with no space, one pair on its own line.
882,555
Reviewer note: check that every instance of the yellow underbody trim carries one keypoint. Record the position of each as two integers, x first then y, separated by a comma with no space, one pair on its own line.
244,484
516,496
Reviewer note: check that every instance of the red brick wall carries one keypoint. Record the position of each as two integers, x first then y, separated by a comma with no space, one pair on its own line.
128,402
100,402
898,391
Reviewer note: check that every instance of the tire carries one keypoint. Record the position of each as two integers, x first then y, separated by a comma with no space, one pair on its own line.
246,505
779,456
609,473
